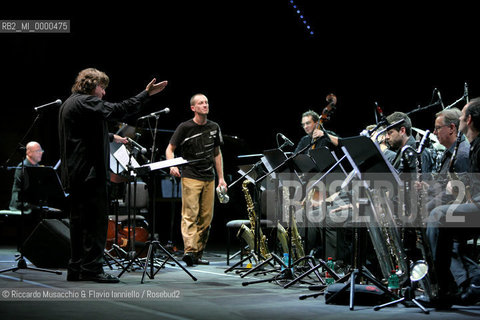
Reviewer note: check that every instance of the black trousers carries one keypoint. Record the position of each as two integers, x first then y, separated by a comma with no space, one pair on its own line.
88,227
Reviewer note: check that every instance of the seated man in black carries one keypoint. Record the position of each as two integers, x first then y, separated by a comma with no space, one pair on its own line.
34,153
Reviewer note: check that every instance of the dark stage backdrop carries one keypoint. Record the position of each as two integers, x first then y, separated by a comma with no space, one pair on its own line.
255,60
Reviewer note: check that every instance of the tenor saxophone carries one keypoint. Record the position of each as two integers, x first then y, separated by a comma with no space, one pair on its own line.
252,216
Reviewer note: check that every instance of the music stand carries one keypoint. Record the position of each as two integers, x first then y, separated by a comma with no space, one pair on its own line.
43,186
365,157
151,244
320,160
40,185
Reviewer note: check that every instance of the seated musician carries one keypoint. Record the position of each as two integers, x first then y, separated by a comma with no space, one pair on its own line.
399,136
312,230
459,276
34,153
310,124
446,130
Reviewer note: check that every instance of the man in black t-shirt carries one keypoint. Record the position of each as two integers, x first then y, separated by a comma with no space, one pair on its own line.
198,140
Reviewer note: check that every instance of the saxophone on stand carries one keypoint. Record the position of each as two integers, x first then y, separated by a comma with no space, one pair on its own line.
283,236
248,234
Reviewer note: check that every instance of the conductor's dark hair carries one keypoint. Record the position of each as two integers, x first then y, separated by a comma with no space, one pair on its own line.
88,79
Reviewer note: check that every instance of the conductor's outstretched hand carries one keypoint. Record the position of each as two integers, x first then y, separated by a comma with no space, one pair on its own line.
154,88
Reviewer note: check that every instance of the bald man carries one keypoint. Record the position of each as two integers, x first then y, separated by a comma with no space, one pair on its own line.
34,153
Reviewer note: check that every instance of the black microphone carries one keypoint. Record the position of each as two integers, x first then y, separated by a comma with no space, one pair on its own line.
383,119
379,110
137,146
440,98
154,114
44,107
287,141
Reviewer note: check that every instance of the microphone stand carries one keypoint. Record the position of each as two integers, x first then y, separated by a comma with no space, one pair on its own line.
152,244
463,97
419,108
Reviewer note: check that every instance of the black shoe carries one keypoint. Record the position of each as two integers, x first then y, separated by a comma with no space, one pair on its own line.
188,259
99,277
471,295
201,261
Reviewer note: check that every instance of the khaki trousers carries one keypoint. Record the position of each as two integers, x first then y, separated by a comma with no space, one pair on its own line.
197,212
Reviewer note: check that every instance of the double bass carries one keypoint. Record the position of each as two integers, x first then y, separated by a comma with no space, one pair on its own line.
326,114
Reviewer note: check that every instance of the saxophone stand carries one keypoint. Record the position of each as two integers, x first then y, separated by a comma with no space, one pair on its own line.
254,253
153,244
276,161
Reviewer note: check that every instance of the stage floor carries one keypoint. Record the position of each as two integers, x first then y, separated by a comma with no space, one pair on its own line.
172,294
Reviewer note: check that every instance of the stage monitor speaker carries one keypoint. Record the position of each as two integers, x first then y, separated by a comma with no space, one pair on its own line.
48,246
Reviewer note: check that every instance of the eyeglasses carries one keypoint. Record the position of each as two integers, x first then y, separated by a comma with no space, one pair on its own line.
440,127
40,150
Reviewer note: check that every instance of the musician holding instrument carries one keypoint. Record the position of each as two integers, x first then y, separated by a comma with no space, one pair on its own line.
317,137
198,139
399,136
446,130
310,123
84,150
445,224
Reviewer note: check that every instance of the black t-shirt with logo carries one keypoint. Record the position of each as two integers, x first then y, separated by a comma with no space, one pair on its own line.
197,142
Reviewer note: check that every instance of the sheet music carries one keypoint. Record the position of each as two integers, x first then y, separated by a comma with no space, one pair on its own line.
165,163
123,157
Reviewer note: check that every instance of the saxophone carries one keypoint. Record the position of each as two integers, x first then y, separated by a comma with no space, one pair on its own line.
249,233
282,235
423,271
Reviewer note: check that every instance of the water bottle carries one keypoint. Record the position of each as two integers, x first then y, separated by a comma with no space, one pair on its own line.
285,260
393,282
328,277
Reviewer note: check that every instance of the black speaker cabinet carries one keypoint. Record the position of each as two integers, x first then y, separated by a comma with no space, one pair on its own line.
48,246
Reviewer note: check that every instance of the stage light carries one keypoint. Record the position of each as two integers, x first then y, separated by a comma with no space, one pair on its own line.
302,17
